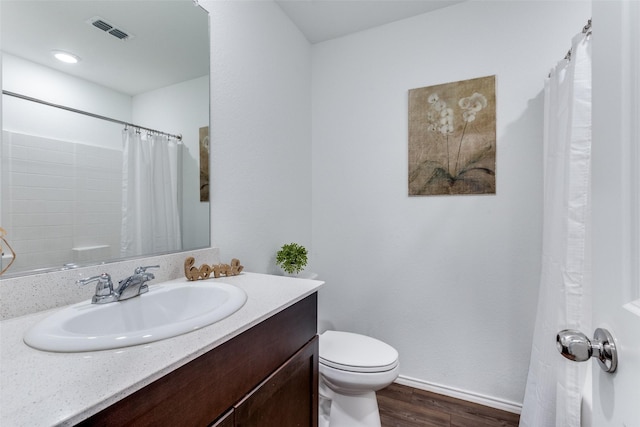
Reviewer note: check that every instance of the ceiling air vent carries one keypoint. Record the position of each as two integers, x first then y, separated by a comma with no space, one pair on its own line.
101,24
119,34
109,28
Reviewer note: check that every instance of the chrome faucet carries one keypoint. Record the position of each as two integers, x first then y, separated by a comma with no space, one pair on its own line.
135,285
130,287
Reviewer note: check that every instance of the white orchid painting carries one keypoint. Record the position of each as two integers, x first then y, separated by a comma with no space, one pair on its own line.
452,138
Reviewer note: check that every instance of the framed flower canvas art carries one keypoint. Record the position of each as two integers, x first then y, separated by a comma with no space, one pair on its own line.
452,138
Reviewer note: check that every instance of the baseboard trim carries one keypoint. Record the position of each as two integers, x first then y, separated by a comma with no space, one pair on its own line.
492,402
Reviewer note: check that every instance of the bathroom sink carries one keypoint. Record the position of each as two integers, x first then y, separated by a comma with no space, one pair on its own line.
168,309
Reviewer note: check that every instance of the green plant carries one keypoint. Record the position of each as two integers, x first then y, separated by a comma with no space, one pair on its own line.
292,258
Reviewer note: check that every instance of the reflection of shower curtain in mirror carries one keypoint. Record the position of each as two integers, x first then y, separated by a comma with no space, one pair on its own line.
150,215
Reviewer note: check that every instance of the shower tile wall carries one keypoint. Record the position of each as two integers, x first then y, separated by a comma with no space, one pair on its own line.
61,200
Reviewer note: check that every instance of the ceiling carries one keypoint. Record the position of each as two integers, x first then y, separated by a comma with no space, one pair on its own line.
170,42
321,20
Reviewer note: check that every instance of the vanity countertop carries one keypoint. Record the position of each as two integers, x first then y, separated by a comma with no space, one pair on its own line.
45,389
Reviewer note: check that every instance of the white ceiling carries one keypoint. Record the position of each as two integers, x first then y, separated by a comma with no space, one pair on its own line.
321,20
171,37
170,43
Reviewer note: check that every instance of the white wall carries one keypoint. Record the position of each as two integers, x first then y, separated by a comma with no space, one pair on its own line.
450,281
31,79
260,132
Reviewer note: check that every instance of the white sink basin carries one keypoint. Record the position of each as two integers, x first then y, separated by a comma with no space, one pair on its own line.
168,309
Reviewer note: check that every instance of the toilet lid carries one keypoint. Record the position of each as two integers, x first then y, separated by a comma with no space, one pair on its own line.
356,353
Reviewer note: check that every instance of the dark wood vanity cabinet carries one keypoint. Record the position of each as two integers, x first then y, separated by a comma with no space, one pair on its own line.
266,376
285,398
225,421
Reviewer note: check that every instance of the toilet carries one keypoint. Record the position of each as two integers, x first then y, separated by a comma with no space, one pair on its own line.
352,368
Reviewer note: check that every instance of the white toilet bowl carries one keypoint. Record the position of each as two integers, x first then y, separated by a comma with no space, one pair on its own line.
352,368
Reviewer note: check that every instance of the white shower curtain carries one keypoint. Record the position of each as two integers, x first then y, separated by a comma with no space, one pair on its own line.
150,215
554,385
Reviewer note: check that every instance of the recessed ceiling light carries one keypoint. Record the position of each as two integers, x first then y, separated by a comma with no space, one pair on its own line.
66,57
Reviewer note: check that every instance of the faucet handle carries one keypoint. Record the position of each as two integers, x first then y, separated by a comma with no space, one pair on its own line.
144,269
104,283
104,287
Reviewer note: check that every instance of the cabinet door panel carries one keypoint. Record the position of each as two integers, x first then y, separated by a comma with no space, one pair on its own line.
224,421
288,397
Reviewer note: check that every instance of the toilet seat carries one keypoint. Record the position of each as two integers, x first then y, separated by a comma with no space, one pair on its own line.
356,353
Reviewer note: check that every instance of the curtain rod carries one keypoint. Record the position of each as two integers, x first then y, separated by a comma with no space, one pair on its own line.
97,116
585,30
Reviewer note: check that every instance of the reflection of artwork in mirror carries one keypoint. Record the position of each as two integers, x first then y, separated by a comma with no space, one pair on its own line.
63,171
7,253
452,138
204,164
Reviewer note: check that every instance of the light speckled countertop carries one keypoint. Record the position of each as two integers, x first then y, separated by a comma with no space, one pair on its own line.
39,388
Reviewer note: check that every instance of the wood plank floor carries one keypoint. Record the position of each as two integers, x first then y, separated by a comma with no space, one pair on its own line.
402,406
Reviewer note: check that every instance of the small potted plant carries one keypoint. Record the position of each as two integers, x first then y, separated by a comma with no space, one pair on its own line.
292,258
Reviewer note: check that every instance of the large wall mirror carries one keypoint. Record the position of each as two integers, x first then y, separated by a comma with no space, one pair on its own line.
92,169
